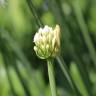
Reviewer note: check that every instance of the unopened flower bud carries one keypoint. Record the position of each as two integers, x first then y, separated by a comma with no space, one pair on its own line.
35,48
47,42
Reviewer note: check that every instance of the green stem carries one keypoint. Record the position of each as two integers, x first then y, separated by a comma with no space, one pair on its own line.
51,77
68,75
34,11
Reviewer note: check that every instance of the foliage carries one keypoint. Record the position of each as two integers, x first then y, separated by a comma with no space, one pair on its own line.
22,73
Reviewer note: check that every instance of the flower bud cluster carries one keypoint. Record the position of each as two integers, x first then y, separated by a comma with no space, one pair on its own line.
47,42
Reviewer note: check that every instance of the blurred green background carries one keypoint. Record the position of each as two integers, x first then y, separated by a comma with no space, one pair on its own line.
22,73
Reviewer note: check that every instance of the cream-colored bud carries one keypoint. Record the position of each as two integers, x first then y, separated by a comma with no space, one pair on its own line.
35,48
43,39
47,42
57,34
53,42
40,30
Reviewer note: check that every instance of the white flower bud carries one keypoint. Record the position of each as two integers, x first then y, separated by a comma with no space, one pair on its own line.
47,42
53,42
43,39
35,48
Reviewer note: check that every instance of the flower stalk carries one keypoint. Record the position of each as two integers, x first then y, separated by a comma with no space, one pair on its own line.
51,77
